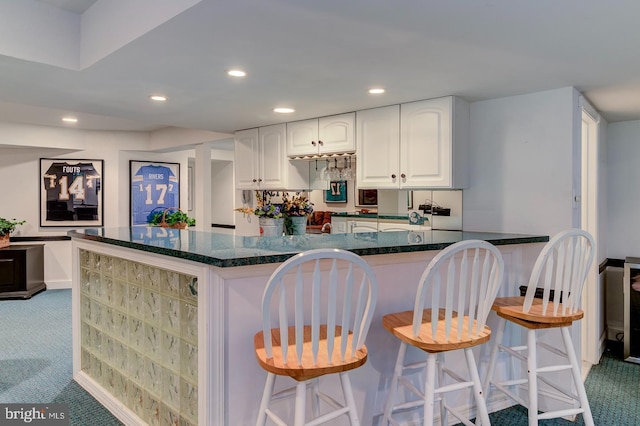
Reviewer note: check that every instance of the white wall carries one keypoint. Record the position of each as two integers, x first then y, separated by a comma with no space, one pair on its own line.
623,182
522,163
222,192
20,174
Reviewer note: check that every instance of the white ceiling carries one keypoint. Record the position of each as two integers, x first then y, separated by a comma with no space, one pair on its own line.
320,57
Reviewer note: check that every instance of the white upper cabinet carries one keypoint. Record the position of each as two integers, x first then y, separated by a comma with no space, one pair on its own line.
430,151
246,159
261,161
378,147
325,135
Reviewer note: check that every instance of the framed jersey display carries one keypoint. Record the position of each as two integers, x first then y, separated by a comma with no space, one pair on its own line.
154,188
71,192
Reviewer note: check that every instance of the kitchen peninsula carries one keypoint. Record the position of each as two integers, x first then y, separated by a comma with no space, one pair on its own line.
163,319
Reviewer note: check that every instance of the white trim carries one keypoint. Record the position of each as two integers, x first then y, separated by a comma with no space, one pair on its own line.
588,109
58,284
119,410
589,221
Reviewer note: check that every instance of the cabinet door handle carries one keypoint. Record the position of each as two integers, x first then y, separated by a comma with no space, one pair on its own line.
403,176
313,143
7,260
259,180
255,180
320,143
393,176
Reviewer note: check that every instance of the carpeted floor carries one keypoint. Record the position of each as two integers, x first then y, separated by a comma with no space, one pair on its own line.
36,367
36,360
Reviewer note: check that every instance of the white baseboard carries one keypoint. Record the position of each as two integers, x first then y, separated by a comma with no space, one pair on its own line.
117,408
58,285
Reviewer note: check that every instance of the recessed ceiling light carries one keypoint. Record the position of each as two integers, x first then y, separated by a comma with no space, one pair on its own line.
69,119
284,110
376,90
158,98
236,73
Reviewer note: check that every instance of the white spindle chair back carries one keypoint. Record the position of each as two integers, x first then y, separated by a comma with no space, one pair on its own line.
463,279
342,297
562,266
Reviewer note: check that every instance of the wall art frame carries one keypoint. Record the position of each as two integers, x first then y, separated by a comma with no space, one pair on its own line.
337,192
154,186
71,192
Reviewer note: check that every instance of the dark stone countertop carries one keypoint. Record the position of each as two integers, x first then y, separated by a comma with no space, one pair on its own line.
224,250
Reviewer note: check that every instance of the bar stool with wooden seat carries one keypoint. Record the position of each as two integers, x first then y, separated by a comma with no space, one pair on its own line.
559,273
458,286
317,308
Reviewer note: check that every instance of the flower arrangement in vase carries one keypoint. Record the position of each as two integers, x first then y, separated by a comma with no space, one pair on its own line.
296,210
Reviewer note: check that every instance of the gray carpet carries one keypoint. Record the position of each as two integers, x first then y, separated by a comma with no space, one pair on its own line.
36,360
36,367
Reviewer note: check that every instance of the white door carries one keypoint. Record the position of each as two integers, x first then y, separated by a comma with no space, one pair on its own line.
246,159
337,133
302,138
426,144
377,147
273,159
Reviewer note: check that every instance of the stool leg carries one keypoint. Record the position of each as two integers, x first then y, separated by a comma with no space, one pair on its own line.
577,376
493,358
393,385
444,415
481,405
429,391
301,397
350,400
532,365
315,397
266,397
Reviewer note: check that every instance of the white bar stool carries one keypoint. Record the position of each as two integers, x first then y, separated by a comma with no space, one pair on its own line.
316,312
560,270
458,286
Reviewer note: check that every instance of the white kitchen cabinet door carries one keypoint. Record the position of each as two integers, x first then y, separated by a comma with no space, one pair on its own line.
261,161
378,147
273,159
246,159
302,138
430,152
326,135
336,134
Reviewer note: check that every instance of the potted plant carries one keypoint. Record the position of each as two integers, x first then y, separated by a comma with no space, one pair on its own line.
170,218
270,215
296,211
7,226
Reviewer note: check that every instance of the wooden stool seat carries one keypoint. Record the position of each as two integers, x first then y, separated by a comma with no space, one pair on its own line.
511,308
400,325
308,368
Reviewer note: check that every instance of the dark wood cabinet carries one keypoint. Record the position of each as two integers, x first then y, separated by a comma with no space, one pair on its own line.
21,271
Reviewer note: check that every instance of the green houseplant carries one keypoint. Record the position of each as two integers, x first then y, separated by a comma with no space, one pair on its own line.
170,218
7,226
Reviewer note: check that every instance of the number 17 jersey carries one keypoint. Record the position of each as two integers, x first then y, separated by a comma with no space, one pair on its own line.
152,187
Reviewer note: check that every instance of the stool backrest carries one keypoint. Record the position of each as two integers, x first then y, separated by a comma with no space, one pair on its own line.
561,271
463,279
319,287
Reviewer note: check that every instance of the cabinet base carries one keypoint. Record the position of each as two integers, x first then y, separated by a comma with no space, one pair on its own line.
24,294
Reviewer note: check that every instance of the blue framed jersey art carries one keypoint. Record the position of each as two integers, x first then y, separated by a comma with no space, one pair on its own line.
154,186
